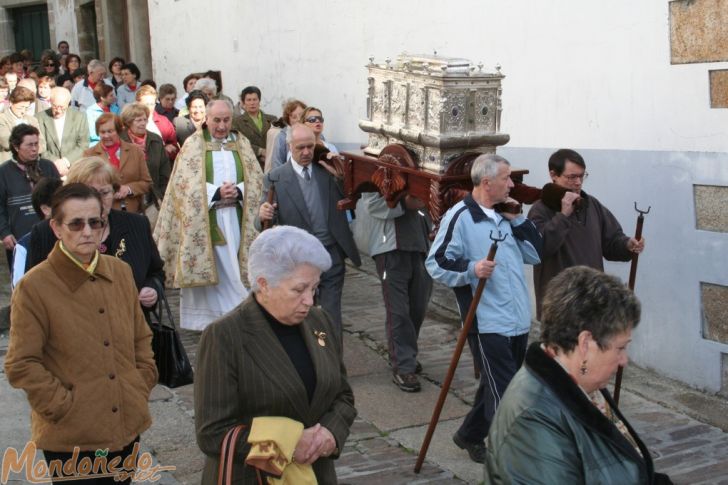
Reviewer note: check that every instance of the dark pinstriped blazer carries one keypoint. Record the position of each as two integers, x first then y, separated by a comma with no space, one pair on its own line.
243,372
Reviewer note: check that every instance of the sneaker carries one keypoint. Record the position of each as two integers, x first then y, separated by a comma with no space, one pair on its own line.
475,450
418,368
406,382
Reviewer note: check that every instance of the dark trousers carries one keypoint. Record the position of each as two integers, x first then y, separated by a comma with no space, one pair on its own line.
65,455
331,286
406,288
498,358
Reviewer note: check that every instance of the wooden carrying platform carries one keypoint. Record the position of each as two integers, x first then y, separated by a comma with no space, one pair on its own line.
395,174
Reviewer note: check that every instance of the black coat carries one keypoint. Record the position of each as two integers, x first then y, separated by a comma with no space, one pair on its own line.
17,215
130,240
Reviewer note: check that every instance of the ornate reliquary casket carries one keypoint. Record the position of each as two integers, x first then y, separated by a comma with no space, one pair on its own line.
428,118
437,107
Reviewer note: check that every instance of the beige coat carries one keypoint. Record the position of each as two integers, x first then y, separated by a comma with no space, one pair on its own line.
81,350
7,123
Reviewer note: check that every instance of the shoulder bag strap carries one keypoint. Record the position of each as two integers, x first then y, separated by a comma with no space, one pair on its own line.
227,457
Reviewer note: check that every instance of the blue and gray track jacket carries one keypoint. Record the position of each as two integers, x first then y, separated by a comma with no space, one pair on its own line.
462,240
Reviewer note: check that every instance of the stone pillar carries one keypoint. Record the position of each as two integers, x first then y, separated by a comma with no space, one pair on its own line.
88,47
7,39
110,15
140,51
62,23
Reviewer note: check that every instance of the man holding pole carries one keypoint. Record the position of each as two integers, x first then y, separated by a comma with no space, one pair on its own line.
577,229
458,258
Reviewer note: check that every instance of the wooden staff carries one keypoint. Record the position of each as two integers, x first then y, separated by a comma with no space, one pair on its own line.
456,355
270,199
632,278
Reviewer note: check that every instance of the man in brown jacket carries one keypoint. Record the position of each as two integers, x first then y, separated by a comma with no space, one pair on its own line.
577,229
79,344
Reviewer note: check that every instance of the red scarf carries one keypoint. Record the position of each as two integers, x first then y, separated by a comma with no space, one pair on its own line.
104,108
132,88
91,85
112,153
140,141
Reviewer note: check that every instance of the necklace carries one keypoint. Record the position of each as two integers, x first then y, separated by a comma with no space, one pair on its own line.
103,247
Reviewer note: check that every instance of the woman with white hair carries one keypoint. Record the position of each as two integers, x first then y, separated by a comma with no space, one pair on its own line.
273,364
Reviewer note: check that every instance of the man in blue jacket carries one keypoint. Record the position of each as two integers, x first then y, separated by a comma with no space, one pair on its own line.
458,258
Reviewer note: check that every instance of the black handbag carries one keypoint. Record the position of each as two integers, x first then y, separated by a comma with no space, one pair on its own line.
173,365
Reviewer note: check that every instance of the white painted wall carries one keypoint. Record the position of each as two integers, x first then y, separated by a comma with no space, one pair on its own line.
595,76
590,74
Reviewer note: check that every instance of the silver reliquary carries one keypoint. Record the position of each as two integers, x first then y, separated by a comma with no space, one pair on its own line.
437,107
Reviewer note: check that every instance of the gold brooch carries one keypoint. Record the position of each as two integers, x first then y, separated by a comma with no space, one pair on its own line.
121,249
321,336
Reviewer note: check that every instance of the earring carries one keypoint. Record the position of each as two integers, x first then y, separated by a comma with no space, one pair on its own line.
583,368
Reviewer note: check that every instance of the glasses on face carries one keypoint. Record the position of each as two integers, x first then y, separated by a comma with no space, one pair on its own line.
315,119
50,64
575,177
94,223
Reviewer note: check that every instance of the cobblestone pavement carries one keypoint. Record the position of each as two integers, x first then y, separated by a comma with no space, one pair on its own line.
685,429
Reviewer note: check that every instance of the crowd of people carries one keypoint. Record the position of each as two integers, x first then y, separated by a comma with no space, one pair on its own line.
112,190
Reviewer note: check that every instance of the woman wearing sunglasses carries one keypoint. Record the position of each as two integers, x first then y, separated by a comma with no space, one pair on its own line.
49,66
125,235
80,347
314,119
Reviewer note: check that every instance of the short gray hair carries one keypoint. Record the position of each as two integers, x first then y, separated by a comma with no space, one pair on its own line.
486,167
95,64
206,84
276,253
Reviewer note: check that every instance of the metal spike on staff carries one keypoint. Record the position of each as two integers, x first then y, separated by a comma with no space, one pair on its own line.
632,278
467,324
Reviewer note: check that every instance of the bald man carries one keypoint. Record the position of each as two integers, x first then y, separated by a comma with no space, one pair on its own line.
65,131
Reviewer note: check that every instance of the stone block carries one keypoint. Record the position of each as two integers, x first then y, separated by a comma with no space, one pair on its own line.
724,373
718,88
711,207
698,31
714,301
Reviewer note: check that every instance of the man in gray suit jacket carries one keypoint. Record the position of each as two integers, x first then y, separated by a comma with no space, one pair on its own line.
65,131
306,195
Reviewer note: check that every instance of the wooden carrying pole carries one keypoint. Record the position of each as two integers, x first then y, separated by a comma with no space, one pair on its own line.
456,357
632,278
270,199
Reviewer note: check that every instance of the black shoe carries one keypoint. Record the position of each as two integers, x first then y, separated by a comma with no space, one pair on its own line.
418,368
406,382
475,450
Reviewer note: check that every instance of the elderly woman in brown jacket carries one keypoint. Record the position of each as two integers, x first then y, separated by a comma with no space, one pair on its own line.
127,159
79,344
134,116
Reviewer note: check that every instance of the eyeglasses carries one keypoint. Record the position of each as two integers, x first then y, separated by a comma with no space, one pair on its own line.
315,119
575,177
51,64
94,223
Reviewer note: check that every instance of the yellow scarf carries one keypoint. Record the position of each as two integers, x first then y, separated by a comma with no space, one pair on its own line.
89,268
272,444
